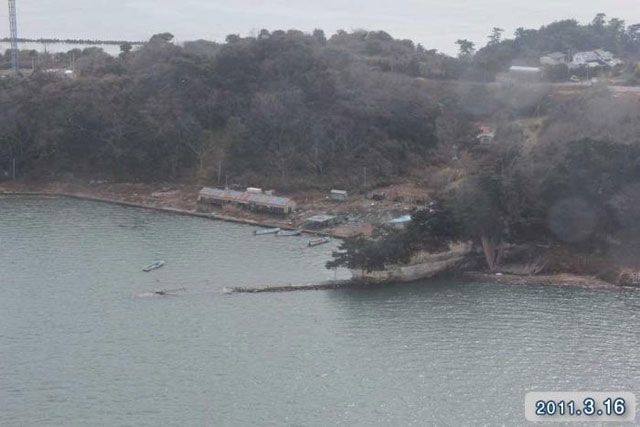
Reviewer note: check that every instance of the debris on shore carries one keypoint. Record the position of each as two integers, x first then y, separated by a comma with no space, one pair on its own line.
332,284
553,279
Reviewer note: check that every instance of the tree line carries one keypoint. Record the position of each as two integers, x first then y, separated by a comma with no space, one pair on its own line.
285,108
566,36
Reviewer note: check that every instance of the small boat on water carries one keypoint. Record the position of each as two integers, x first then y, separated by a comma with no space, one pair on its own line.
319,241
156,265
172,293
266,231
163,293
287,233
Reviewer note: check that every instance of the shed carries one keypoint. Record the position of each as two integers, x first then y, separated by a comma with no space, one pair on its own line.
251,201
321,221
486,137
524,70
339,195
519,74
554,58
401,221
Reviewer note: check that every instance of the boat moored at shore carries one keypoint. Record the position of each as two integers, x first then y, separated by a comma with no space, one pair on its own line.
319,241
287,233
266,231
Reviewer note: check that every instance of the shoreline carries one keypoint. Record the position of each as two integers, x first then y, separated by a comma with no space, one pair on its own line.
467,277
359,214
166,209
560,279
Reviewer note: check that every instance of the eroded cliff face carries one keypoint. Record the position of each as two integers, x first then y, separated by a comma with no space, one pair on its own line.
423,265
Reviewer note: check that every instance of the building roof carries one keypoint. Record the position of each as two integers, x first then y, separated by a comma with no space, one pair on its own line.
557,55
586,56
554,58
604,54
520,69
244,197
401,219
595,58
486,136
320,218
344,193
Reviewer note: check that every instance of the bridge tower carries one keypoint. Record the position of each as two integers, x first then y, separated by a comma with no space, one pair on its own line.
13,25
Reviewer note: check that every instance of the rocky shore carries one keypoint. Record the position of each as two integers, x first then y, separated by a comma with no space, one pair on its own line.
563,279
469,277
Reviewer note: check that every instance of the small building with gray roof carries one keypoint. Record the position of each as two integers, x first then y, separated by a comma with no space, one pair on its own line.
258,202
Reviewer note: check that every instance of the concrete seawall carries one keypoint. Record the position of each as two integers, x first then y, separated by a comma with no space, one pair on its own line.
465,277
317,286
423,265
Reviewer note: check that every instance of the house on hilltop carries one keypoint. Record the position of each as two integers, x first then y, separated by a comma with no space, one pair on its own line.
559,65
595,58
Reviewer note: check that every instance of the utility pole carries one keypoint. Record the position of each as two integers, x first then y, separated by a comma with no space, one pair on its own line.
13,26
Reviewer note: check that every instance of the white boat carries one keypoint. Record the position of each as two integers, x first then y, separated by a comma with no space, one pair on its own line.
156,265
266,231
319,241
287,233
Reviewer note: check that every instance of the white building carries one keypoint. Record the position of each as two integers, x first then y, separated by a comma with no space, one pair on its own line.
555,58
594,58
519,74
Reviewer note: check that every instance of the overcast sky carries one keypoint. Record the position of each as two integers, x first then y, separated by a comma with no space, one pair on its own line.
434,23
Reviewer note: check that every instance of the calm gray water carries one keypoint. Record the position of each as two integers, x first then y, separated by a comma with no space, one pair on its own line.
78,346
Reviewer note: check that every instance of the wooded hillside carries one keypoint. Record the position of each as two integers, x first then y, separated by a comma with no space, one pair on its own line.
288,108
